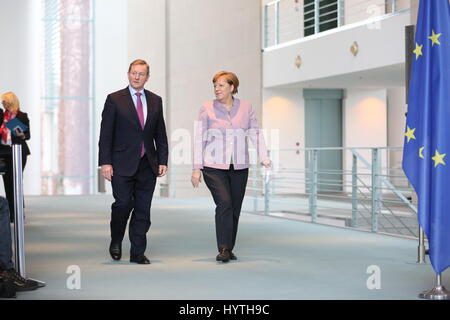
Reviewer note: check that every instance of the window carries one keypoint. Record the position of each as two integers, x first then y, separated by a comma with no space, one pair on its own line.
321,15
67,165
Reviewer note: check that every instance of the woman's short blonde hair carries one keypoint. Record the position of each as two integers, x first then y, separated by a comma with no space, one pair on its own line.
230,77
11,100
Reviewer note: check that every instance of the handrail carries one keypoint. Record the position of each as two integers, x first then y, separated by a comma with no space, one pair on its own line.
388,184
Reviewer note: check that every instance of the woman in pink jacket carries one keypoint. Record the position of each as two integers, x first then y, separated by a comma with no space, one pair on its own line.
221,154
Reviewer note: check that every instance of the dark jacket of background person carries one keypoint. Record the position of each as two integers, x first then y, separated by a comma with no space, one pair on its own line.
6,156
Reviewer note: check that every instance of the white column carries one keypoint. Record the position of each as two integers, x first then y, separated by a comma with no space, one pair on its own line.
20,64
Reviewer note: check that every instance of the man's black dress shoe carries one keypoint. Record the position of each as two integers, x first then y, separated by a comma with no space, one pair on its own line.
115,250
140,260
232,256
224,255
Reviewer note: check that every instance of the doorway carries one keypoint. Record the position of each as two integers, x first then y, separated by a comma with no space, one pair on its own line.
323,128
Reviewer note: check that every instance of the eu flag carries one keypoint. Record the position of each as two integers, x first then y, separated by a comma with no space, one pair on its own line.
426,157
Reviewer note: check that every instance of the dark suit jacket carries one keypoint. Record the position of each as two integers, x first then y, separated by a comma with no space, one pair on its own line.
22,117
121,134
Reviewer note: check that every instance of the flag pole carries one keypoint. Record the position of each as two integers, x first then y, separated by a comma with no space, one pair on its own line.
421,248
438,292
19,250
19,232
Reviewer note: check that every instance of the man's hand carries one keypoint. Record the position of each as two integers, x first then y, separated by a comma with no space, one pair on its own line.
162,170
107,171
196,177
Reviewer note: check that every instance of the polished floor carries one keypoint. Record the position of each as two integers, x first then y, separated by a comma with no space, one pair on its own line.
67,242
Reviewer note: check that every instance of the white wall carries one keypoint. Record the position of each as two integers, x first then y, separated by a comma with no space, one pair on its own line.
203,42
284,118
396,119
365,125
205,37
20,23
414,10
396,122
147,39
365,118
284,110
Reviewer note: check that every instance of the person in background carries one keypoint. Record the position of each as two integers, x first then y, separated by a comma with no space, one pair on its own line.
11,105
7,270
221,153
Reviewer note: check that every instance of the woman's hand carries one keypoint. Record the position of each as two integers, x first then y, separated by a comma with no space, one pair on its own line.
196,177
267,163
20,133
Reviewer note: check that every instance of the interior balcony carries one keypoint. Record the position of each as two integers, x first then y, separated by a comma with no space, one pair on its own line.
353,48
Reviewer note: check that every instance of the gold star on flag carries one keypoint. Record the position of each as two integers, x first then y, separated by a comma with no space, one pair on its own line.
418,50
421,153
435,38
438,159
410,133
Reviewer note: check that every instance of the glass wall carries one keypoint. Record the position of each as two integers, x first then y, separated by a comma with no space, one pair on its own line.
67,119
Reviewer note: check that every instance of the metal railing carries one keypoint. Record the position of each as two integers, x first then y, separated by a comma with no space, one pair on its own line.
287,20
367,190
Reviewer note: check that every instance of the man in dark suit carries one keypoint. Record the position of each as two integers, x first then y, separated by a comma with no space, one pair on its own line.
133,152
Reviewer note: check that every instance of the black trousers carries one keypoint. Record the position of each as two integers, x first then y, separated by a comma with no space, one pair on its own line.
8,182
227,189
133,195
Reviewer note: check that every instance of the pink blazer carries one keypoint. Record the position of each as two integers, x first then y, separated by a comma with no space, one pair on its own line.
221,137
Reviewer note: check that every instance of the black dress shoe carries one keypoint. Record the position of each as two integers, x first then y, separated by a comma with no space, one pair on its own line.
224,255
140,260
232,256
115,250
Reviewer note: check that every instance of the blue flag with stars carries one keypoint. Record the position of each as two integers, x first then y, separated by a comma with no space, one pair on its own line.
426,154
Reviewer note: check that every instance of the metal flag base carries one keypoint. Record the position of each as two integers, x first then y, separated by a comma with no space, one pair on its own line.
437,293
